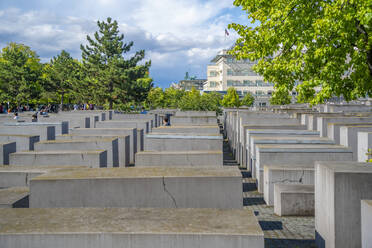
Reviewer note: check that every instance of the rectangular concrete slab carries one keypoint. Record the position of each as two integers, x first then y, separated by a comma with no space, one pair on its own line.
23,142
364,144
179,158
349,138
124,144
91,159
294,200
339,189
366,213
139,124
212,129
12,197
334,133
111,145
132,132
296,154
193,120
20,176
129,187
45,132
5,150
177,142
131,228
285,174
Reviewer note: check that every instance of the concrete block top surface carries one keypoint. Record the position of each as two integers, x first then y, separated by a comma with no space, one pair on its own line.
195,113
281,167
179,152
271,125
129,220
10,195
310,148
59,152
283,131
41,169
104,128
103,139
21,124
295,188
18,135
140,172
184,136
92,136
180,127
346,166
298,139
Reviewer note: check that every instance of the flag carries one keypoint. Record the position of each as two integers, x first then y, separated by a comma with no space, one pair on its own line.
226,32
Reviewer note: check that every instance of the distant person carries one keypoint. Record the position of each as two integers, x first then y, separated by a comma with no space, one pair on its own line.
16,117
143,111
166,121
34,117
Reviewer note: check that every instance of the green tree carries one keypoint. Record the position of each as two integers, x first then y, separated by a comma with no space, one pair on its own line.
231,99
191,100
280,96
172,97
324,43
20,75
212,102
248,99
155,98
62,74
115,80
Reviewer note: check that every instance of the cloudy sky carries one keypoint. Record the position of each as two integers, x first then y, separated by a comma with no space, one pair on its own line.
178,35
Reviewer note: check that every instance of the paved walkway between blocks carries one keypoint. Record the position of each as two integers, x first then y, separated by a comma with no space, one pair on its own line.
280,232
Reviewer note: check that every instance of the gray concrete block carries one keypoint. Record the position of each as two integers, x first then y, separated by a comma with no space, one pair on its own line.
193,120
111,145
11,196
132,132
132,228
91,159
285,174
349,138
129,187
123,141
339,189
5,150
20,176
334,133
139,124
23,142
179,158
294,200
45,132
322,124
296,154
195,113
366,218
212,129
177,142
364,143
60,127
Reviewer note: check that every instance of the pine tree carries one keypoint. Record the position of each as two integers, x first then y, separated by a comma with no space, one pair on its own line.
115,80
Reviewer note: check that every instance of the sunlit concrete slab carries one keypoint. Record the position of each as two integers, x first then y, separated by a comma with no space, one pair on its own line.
296,154
366,218
132,228
91,159
181,142
285,174
339,189
111,145
160,187
12,197
294,200
179,158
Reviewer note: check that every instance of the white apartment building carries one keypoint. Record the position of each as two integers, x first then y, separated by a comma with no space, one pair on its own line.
226,72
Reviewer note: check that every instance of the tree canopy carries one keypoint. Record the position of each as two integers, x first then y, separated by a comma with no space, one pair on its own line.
115,80
324,45
247,100
20,75
231,99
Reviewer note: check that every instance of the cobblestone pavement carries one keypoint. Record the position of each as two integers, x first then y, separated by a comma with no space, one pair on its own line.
280,232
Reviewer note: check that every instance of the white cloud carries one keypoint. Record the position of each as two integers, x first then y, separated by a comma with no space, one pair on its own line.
175,34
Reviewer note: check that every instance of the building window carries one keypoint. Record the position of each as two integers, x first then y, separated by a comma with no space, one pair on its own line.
230,72
249,83
213,73
212,84
259,93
